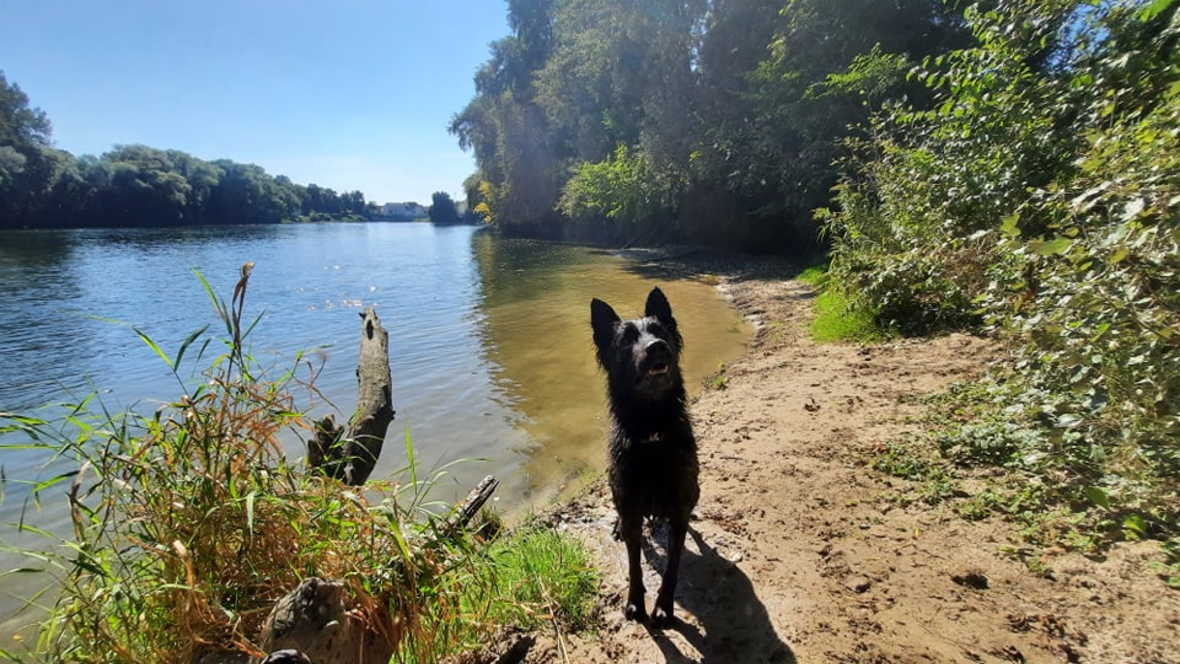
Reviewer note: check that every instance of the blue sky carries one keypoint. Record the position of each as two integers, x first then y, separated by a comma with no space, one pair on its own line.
351,94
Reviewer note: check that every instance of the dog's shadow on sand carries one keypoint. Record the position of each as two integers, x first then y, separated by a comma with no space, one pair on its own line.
734,625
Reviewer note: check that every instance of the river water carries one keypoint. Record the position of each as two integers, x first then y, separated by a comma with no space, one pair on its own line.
490,345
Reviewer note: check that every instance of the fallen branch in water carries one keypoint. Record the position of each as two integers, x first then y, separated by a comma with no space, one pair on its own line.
350,453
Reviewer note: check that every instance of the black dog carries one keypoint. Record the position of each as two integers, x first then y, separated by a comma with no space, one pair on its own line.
653,454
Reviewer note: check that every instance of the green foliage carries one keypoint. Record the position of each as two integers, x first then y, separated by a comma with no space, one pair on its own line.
929,480
540,575
899,461
134,185
19,124
619,188
442,209
1040,198
189,523
927,185
713,122
1170,568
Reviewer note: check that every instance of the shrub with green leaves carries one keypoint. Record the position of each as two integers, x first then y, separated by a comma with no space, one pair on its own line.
1041,201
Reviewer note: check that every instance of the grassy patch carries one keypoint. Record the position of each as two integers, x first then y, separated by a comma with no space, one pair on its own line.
814,275
837,318
540,575
1029,468
531,578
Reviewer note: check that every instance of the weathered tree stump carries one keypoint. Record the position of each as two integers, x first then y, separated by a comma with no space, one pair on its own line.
349,454
320,621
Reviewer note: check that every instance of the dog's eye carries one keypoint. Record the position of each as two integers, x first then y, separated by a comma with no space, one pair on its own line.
629,333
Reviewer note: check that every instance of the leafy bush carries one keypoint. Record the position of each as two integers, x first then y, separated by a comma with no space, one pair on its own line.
625,187
1041,201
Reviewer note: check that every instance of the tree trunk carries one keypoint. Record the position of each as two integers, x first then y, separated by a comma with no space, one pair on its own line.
350,454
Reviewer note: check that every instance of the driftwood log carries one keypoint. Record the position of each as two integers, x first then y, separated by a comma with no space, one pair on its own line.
350,453
318,620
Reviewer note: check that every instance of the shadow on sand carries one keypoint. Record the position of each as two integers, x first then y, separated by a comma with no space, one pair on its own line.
734,624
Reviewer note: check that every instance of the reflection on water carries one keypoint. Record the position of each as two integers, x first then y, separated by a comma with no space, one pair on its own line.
33,248
490,345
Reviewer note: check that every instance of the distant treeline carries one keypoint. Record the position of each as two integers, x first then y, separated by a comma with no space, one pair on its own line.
709,121
135,185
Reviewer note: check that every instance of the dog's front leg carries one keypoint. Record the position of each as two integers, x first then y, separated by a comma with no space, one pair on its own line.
662,613
631,528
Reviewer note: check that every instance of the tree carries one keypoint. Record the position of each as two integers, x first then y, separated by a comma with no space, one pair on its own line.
27,163
20,125
248,194
135,184
442,209
508,131
145,187
734,111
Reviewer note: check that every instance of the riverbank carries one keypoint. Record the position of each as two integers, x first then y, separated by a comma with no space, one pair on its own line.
801,551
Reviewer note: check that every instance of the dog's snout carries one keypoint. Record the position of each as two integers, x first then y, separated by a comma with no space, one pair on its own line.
657,356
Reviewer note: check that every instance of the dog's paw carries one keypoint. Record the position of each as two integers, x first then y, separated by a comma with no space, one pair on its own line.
635,611
661,617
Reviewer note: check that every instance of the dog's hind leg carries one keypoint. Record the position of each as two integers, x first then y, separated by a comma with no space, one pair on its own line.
631,528
662,613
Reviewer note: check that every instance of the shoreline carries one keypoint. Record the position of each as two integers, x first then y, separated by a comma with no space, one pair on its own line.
800,551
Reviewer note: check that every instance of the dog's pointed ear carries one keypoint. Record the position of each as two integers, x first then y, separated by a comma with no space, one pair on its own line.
602,320
657,307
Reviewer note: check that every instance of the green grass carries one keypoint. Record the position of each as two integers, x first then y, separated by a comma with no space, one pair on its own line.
541,575
814,275
837,317
531,578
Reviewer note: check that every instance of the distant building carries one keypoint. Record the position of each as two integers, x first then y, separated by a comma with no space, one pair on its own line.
402,211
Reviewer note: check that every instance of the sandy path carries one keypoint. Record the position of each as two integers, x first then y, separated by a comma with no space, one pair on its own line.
798,552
